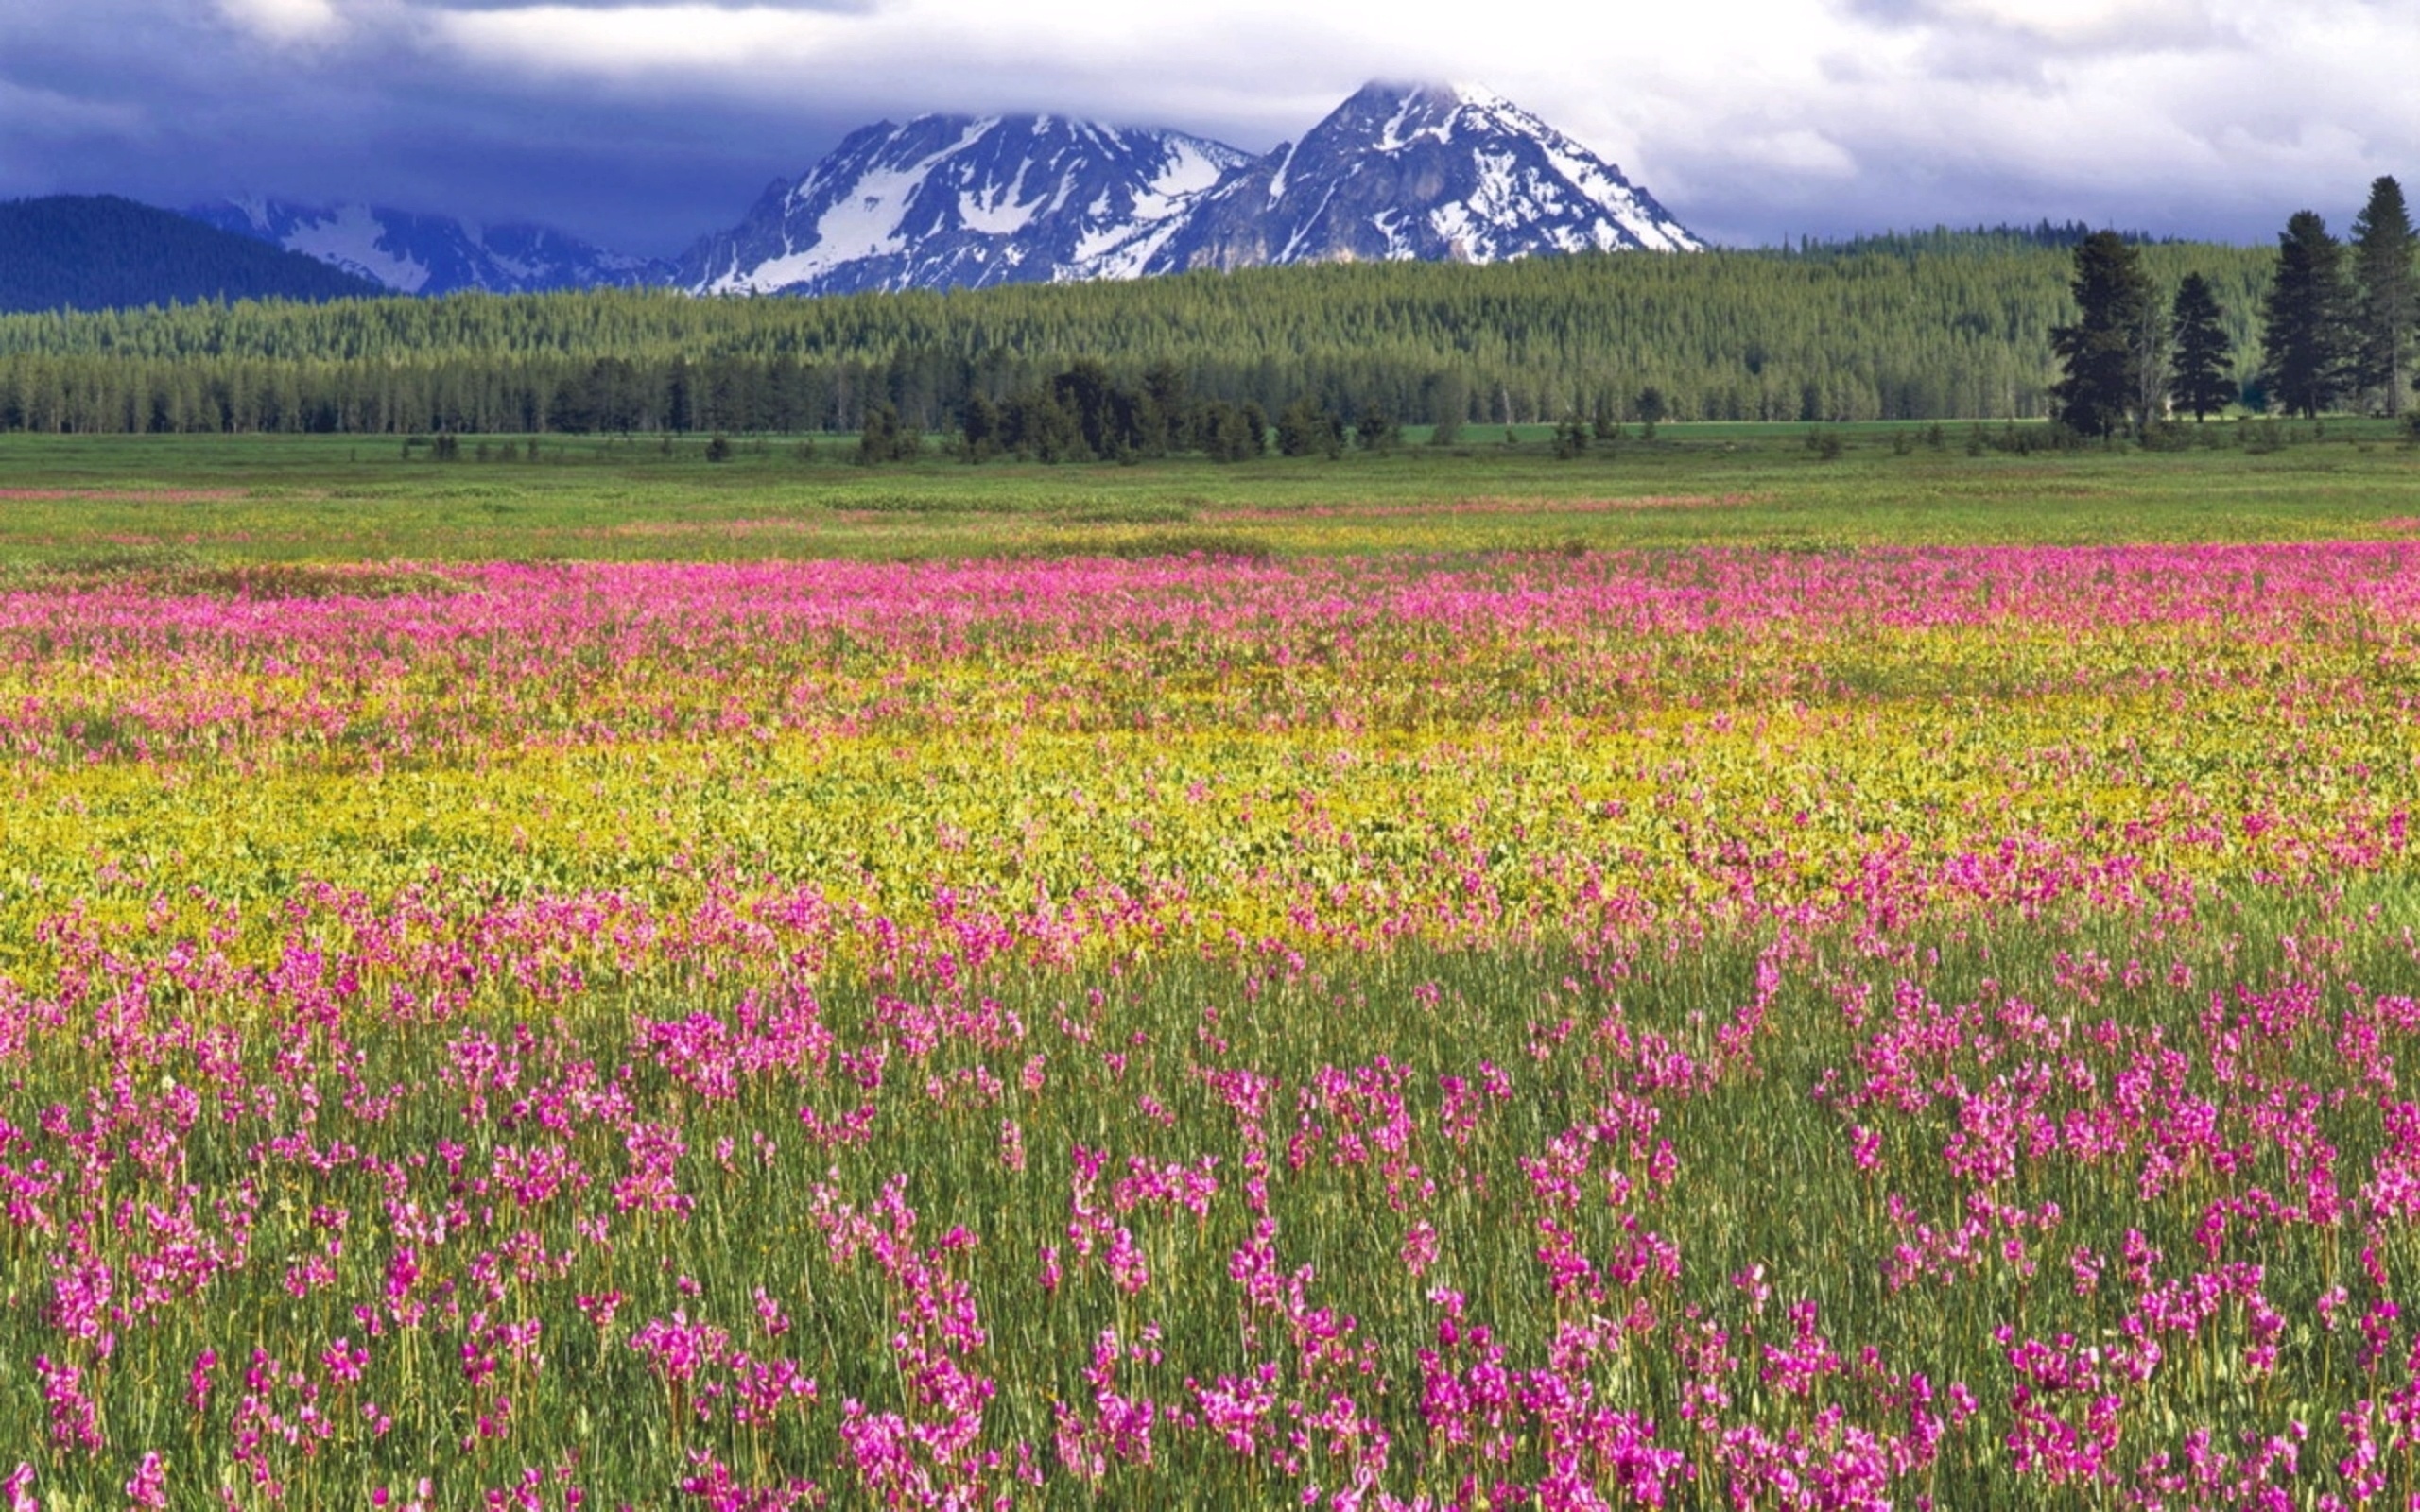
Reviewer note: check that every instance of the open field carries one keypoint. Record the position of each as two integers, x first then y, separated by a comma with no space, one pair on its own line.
1702,978
115,501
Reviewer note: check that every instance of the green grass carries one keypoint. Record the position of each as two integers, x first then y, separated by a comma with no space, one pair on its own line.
1762,1179
213,501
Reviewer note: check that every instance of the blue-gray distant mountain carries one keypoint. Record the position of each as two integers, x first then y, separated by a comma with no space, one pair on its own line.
100,252
1434,172
958,201
412,254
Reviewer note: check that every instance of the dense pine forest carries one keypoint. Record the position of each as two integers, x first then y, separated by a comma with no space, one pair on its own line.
1939,325
94,251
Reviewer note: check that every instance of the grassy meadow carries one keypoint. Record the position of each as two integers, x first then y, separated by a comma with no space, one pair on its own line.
223,500
1704,974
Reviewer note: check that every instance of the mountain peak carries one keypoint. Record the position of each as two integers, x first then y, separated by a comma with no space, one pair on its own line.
1404,168
951,201
1436,94
1401,170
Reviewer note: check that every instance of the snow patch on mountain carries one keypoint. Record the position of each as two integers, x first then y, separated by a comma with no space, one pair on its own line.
413,253
955,202
1441,172
350,237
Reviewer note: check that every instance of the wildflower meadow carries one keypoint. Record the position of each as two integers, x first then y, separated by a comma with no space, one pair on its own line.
1584,1028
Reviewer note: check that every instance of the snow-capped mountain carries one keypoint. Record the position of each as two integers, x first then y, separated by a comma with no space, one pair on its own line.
1441,173
953,201
1436,172
431,254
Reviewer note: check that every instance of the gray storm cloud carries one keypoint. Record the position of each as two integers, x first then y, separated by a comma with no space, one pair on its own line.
645,125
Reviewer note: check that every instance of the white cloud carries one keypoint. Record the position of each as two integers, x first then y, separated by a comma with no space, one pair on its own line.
284,21
1717,92
643,40
1749,118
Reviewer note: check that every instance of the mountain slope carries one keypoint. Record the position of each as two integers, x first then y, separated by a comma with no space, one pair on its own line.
955,202
99,252
412,254
1441,173
1432,172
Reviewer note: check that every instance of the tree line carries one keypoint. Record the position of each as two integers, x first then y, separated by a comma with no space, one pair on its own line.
2339,323
1941,326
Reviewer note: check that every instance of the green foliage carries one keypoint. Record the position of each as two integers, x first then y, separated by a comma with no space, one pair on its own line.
2306,325
1307,428
884,439
152,501
2109,357
1949,327
2387,306
1653,407
1571,436
2201,378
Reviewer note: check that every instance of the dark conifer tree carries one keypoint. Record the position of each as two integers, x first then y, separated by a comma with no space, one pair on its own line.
878,438
1255,428
1571,436
1161,418
2103,354
1307,428
2202,379
2303,339
1084,391
2388,304
680,403
979,429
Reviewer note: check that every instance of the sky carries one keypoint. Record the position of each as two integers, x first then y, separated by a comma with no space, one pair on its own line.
645,125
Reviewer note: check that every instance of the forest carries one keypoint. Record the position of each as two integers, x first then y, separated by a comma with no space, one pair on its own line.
1945,325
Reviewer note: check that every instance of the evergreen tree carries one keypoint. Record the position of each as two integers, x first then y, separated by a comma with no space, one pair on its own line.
679,413
2303,339
2202,380
885,438
1652,407
2103,356
1307,428
979,429
1162,410
1449,404
1571,436
1084,391
1255,427
1605,425
2388,304
1034,424
1943,324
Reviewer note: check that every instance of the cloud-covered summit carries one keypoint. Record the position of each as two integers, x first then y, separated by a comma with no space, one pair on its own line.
633,123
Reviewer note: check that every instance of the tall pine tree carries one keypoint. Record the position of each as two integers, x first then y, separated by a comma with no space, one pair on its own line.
2105,356
2388,304
2304,315
2202,355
